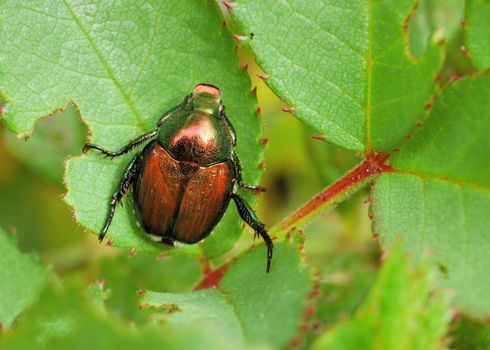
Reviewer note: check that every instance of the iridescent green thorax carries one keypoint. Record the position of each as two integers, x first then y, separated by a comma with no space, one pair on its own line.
196,131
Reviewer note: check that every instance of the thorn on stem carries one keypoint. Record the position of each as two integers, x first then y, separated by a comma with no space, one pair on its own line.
454,77
288,109
229,4
465,51
131,253
264,141
263,76
240,38
162,255
318,137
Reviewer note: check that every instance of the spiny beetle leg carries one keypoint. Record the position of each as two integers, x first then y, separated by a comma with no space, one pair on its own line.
127,179
238,170
126,149
249,216
251,187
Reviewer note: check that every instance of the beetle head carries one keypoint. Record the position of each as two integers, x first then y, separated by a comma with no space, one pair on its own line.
206,98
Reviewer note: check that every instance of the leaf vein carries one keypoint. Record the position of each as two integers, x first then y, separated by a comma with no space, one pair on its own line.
127,98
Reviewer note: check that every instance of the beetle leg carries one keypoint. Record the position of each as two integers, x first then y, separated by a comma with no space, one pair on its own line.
249,216
128,178
126,149
238,171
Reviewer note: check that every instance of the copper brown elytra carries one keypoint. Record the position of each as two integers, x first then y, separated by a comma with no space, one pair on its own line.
187,173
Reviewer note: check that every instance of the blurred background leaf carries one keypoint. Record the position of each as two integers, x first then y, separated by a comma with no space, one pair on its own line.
22,280
477,33
56,137
246,299
402,312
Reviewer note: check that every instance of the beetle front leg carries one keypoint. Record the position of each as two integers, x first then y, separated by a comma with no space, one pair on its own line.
249,216
126,149
238,170
128,178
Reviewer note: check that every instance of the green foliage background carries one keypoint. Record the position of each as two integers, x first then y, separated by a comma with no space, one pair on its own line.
402,264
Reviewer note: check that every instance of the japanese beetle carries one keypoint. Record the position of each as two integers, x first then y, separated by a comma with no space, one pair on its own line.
185,176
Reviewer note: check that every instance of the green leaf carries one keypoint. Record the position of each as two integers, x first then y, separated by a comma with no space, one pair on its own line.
346,280
402,312
22,280
125,277
441,17
55,139
343,66
206,309
438,195
64,319
123,65
470,334
264,308
477,33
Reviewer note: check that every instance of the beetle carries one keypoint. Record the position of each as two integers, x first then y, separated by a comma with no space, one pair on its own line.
186,174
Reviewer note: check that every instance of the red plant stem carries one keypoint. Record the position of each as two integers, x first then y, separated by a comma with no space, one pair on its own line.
337,192
212,278
373,165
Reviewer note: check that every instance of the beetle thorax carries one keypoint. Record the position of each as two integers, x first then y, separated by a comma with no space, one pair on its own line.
200,139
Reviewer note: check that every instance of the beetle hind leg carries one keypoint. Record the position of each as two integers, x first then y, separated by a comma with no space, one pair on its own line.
251,187
128,178
238,171
249,216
